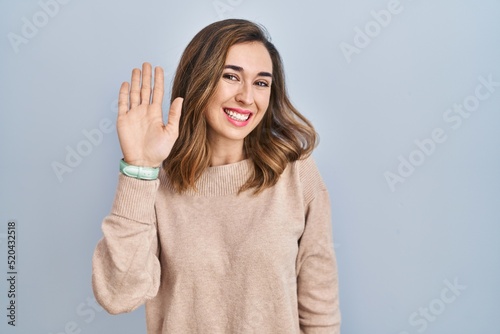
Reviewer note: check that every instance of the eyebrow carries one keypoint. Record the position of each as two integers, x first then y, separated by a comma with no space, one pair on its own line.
240,69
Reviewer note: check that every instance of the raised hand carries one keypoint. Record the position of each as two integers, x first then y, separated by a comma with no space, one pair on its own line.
144,139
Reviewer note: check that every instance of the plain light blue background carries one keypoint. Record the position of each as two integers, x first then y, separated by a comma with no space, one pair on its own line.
396,248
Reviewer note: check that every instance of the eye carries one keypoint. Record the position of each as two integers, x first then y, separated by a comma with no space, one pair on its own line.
230,76
262,83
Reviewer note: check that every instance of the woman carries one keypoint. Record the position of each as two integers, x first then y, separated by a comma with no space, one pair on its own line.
234,235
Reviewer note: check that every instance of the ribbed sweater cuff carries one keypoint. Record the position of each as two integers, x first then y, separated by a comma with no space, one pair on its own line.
135,199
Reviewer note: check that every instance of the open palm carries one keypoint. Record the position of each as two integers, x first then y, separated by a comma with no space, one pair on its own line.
144,139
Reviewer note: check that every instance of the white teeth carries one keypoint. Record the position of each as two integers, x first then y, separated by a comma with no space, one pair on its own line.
236,116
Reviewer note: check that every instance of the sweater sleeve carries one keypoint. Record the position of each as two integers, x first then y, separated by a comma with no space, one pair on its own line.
317,279
125,266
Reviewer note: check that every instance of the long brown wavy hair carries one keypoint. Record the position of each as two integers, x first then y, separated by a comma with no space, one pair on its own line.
284,135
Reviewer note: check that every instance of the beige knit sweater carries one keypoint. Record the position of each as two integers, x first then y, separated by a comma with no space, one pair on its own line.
216,262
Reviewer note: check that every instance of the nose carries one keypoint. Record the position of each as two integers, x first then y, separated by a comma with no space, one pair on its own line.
245,94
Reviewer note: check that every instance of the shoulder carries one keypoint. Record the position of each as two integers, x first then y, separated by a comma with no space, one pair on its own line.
307,173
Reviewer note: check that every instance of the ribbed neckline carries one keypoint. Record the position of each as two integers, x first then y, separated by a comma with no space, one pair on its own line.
222,180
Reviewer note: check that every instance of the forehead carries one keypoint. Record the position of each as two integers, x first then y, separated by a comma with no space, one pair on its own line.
252,57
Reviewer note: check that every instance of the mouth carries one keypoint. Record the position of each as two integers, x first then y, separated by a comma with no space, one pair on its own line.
238,115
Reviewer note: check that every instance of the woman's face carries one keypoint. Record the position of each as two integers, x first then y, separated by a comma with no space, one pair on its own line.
242,95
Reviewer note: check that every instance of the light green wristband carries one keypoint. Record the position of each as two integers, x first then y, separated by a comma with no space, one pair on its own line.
139,172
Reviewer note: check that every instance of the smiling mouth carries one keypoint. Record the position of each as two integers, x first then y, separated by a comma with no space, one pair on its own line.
237,116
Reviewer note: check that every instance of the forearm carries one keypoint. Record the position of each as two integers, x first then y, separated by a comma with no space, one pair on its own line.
317,280
125,267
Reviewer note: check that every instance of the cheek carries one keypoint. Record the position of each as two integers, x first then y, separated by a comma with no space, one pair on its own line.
263,113
223,93
263,101
218,95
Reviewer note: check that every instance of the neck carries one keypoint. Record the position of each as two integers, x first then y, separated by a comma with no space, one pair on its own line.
226,153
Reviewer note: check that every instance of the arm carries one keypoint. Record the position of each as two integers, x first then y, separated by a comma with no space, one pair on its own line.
125,267
317,278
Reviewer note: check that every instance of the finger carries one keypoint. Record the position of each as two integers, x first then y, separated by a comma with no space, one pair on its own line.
174,114
158,86
146,83
123,99
135,89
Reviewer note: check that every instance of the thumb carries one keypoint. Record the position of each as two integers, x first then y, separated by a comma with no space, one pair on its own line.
174,114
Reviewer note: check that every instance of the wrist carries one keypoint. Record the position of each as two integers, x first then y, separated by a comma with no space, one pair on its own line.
139,172
142,163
